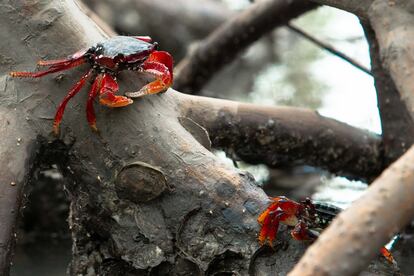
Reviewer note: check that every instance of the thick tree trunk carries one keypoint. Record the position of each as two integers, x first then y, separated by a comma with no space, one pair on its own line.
200,215
146,196
284,135
17,151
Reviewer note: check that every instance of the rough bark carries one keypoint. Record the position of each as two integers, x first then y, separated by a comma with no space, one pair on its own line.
394,118
393,22
278,136
203,217
393,112
17,152
231,38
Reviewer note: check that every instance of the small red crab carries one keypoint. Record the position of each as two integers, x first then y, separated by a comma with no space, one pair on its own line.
290,213
107,59
307,218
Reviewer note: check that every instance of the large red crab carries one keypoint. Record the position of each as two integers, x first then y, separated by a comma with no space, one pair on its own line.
107,59
307,219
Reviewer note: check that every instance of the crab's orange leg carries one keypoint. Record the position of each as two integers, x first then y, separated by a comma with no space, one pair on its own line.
55,68
90,112
269,221
72,92
160,65
272,232
387,255
265,220
107,93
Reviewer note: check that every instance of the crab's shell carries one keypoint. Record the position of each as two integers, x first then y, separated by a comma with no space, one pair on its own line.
126,46
120,53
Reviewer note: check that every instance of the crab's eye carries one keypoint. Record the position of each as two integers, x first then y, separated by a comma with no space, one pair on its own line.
97,50
119,58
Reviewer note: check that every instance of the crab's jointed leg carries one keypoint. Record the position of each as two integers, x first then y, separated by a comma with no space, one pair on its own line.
387,255
55,66
159,64
105,86
269,228
107,91
281,210
90,112
64,61
302,233
72,92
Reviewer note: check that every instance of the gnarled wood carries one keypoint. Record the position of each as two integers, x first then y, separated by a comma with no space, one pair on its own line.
286,135
17,152
393,22
393,112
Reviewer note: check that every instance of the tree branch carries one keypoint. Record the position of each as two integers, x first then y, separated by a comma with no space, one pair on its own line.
231,38
357,234
393,112
393,22
394,118
330,49
279,135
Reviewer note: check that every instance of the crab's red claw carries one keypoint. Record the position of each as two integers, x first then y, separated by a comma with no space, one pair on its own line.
164,58
160,65
280,210
264,220
273,228
269,221
107,93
